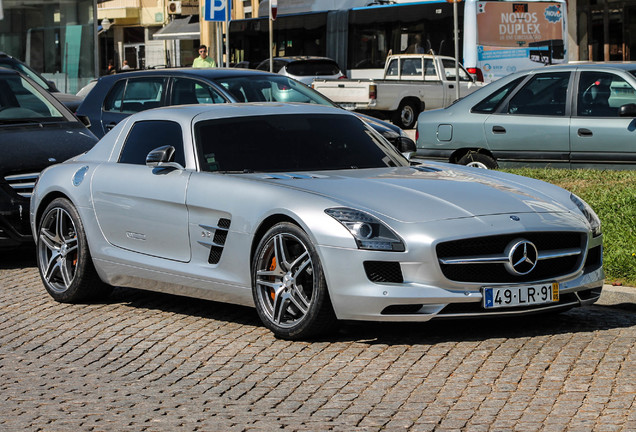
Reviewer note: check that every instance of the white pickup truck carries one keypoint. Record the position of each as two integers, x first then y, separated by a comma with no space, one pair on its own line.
412,83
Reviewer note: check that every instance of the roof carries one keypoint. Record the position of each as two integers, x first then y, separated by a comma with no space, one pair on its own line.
209,73
180,28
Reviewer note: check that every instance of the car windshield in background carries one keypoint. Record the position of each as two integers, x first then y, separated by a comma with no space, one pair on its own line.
313,67
290,142
20,101
270,89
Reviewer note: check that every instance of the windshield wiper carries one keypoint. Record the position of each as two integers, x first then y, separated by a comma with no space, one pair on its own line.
19,121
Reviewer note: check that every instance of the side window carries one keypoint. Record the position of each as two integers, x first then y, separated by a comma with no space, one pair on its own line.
112,102
392,70
600,94
491,103
449,70
207,94
545,94
188,92
141,94
429,70
146,136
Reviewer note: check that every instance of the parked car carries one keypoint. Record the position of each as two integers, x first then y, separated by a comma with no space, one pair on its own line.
304,68
9,62
306,213
36,131
115,97
575,116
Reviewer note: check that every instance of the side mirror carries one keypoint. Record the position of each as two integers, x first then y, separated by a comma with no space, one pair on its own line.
162,157
85,120
627,110
405,144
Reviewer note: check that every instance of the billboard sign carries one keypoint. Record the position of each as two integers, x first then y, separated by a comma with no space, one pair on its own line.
509,24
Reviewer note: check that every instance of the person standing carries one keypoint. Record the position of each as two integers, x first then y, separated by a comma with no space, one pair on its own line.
203,61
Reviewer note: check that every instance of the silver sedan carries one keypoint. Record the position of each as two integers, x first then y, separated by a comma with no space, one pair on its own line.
311,216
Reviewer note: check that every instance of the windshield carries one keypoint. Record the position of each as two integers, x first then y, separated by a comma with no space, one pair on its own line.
271,88
313,67
10,64
20,101
292,142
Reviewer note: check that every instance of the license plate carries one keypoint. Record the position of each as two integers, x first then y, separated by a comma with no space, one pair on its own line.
526,295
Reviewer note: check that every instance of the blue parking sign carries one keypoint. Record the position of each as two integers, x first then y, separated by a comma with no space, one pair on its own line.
215,10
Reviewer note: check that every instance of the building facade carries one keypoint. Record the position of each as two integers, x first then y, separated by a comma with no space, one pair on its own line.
54,37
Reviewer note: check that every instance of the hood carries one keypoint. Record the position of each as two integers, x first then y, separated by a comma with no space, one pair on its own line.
424,194
33,147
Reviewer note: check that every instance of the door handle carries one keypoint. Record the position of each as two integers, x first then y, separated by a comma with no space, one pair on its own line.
585,132
498,129
451,86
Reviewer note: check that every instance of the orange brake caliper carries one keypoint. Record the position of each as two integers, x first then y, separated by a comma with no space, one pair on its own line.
272,267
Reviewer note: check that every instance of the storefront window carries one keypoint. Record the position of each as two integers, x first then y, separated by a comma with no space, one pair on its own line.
56,38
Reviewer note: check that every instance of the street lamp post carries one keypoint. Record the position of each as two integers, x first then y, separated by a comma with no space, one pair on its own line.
456,40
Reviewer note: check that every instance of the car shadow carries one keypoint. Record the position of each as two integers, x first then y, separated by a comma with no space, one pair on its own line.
577,320
20,257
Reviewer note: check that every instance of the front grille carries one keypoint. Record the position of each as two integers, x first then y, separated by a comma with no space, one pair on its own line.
496,245
23,184
383,271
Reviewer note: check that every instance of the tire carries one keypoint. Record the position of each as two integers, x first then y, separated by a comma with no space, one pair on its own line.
288,285
406,115
64,261
478,160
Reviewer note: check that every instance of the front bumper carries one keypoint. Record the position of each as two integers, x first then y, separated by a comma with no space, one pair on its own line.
412,285
14,221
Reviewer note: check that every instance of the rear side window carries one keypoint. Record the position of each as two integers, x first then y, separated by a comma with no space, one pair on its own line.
188,92
314,67
146,136
490,103
134,95
545,94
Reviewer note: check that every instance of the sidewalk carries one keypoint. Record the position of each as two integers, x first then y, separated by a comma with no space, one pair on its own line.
613,295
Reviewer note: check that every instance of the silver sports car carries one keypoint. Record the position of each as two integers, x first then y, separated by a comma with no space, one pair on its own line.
311,216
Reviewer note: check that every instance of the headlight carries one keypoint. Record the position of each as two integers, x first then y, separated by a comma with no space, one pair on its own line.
590,215
368,231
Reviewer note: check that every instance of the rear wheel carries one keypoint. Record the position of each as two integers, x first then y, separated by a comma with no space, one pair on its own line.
288,285
478,160
406,115
64,260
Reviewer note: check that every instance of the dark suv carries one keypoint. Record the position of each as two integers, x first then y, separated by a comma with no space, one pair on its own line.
36,131
115,97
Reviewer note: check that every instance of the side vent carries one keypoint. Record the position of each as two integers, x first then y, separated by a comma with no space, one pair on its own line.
218,235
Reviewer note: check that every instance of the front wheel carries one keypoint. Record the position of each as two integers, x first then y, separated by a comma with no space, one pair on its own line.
478,160
64,260
288,285
406,115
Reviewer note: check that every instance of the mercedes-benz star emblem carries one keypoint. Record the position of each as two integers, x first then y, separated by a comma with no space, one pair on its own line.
522,257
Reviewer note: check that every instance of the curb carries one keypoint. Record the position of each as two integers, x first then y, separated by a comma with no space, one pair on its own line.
615,295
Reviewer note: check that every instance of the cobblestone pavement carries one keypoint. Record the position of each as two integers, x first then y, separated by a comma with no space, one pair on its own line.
145,361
